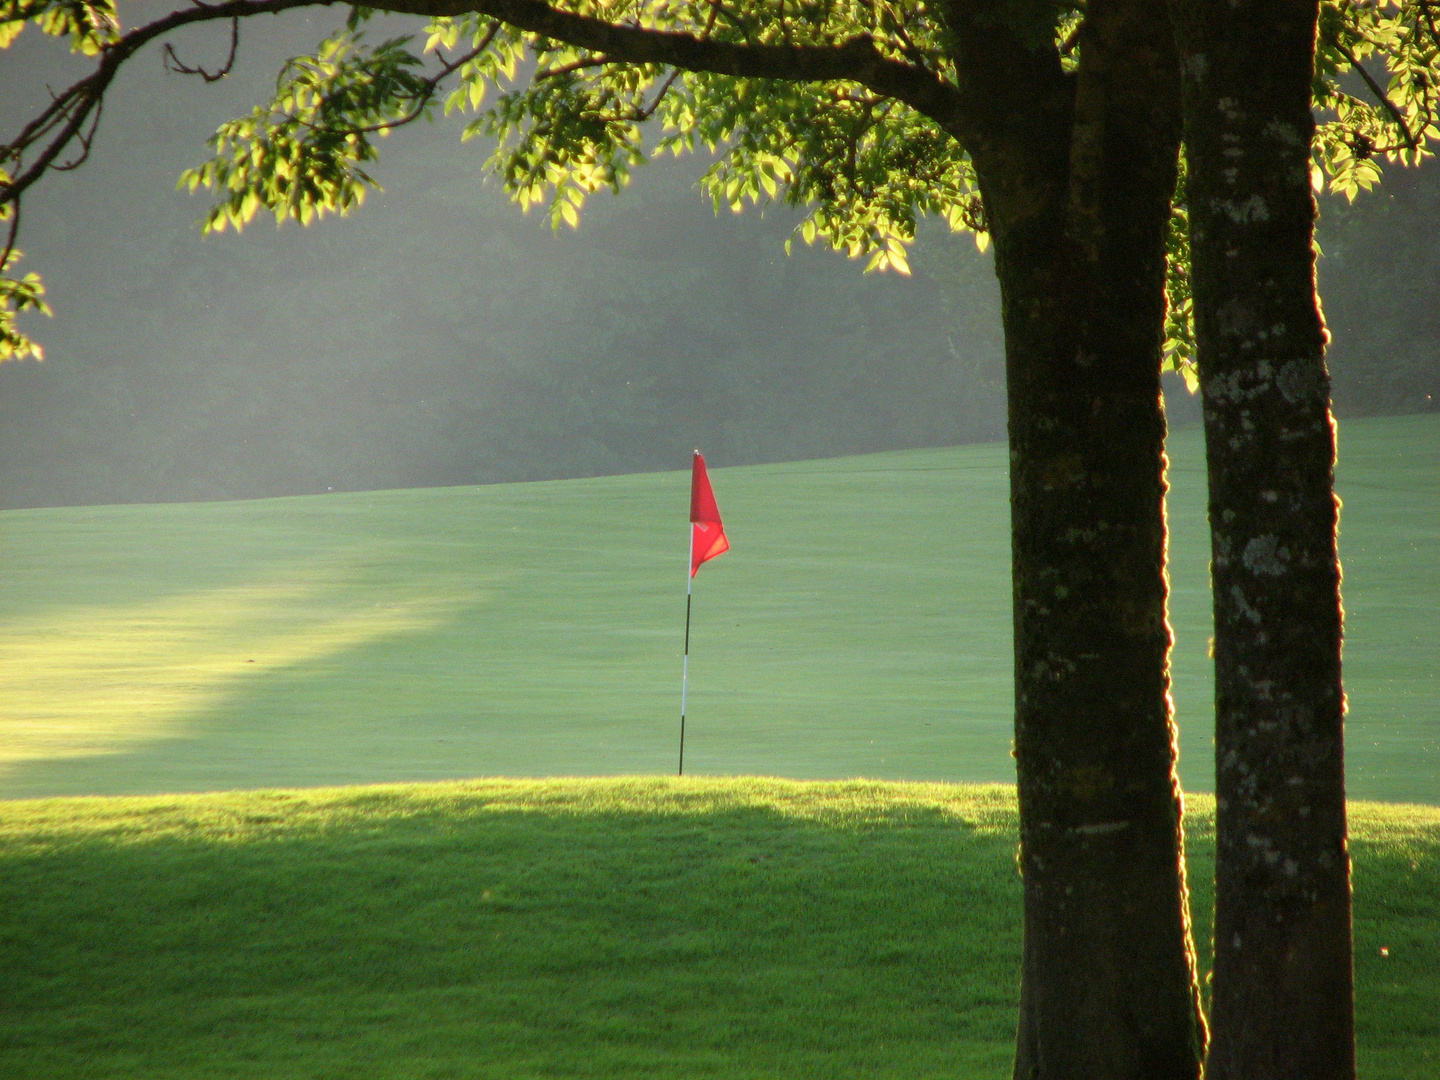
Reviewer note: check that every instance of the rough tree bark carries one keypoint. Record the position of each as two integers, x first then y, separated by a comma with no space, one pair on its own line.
1077,171
1283,997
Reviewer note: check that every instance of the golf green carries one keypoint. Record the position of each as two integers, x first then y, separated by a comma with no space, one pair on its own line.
859,626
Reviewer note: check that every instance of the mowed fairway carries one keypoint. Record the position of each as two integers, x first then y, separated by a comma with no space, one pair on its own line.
860,626
734,928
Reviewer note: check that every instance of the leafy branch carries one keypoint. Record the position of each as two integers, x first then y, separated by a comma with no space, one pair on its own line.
852,108
17,294
302,155
1394,122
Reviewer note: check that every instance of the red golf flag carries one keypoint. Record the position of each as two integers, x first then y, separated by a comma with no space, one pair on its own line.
707,532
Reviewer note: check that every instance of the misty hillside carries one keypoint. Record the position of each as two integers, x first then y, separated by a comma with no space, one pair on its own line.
439,336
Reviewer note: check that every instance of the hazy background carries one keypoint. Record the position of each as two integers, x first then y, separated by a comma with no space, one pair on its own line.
439,336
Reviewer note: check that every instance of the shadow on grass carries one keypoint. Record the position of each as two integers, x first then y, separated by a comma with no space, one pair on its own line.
582,928
386,935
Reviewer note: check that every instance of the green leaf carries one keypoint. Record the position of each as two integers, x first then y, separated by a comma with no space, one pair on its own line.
18,295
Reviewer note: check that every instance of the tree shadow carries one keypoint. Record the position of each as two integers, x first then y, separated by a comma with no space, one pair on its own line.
644,928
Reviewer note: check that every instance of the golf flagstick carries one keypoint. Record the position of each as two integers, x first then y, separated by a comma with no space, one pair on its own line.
685,668
707,539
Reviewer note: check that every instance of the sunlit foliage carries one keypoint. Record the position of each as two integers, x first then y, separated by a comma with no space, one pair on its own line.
91,25
1377,87
300,156
17,294
570,120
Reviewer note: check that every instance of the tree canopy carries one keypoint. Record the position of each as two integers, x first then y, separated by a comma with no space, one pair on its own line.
851,110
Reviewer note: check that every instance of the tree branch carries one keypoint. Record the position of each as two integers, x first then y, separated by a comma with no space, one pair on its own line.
85,139
855,59
425,97
73,115
1380,94
649,110
566,69
1430,22
174,63
77,102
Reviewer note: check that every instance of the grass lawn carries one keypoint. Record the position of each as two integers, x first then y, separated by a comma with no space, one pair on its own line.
580,928
705,927
860,626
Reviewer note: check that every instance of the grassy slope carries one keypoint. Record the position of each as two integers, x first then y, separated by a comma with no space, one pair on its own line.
579,928
589,928
859,627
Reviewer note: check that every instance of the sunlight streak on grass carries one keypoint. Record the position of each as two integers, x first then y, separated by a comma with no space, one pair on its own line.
98,680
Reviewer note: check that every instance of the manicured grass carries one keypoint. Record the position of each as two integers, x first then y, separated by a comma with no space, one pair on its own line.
604,927
1389,479
580,928
860,626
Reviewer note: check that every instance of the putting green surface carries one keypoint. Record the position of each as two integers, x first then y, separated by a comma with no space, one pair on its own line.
860,626
582,928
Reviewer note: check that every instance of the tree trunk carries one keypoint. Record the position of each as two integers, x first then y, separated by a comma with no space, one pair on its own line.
1283,992
1078,201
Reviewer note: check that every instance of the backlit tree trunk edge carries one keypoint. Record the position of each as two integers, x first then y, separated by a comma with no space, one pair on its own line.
1108,986
1283,997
